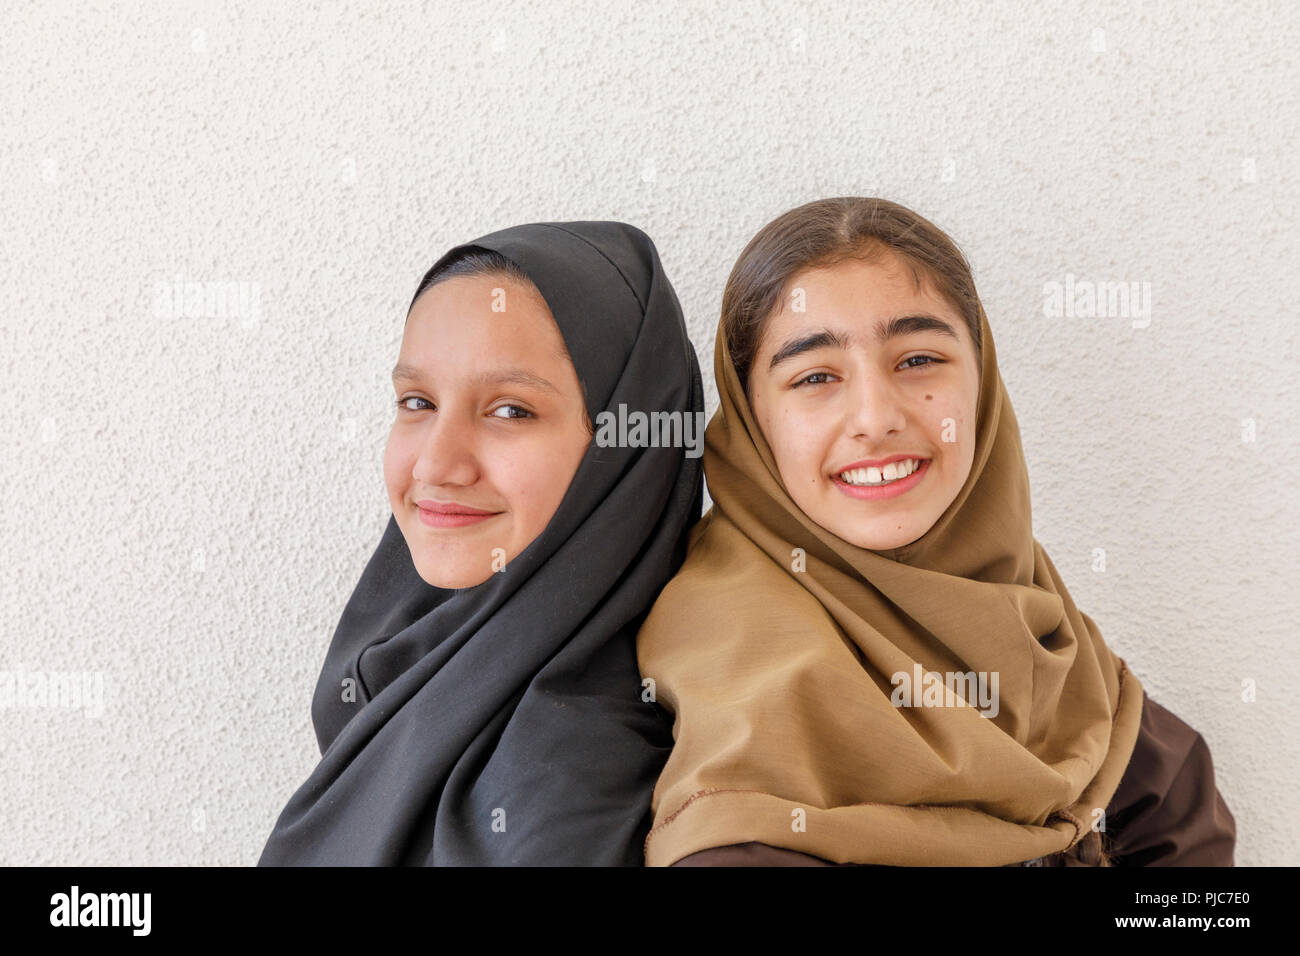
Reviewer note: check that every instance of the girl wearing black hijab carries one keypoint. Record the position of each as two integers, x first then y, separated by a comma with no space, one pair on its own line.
480,702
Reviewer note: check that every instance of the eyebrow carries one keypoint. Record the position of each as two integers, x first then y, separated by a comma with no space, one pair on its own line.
894,328
402,372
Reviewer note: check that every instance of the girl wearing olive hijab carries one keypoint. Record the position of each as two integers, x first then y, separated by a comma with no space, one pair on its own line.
480,702
870,658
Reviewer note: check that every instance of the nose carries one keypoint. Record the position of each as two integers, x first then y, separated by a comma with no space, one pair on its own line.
874,408
448,455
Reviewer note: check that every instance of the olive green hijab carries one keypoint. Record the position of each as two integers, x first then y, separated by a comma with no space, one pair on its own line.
775,647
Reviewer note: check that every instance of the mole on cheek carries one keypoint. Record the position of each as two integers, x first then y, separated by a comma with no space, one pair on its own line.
928,397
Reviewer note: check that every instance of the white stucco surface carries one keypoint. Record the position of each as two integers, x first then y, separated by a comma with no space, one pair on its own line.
187,502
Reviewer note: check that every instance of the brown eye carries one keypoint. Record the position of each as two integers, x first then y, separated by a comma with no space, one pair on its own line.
808,379
929,360
523,412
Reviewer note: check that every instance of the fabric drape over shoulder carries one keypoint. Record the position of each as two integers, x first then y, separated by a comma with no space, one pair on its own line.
776,645
505,723
1166,812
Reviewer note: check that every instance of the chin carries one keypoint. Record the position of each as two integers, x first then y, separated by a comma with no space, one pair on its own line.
881,542
449,580
447,570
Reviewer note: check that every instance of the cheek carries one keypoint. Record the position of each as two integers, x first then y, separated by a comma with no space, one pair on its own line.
948,421
398,462
532,479
959,452
796,441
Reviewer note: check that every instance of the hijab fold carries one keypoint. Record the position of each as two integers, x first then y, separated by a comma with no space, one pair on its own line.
505,723
777,644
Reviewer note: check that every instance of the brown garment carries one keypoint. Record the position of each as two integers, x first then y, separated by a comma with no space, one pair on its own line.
825,690
1166,812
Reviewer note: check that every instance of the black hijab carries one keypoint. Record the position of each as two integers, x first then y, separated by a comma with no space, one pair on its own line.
504,723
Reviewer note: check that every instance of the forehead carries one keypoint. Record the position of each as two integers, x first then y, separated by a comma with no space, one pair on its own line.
480,320
493,292
858,294
885,279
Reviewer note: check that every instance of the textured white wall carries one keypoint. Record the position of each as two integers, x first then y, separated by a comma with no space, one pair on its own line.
187,502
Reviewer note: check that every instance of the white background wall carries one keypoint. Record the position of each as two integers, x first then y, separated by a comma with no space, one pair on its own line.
187,502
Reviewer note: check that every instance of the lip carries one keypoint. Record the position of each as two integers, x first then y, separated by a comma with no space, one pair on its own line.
863,492
449,514
879,462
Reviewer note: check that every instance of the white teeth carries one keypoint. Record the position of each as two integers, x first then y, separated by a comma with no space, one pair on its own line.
879,476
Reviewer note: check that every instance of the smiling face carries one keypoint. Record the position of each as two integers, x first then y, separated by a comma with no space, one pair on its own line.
867,373
491,426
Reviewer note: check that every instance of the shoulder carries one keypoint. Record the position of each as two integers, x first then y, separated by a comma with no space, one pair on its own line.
1167,809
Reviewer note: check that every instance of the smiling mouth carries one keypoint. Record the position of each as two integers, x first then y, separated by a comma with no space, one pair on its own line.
881,477
452,518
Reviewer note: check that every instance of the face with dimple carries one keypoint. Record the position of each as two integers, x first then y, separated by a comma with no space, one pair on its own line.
491,426
829,391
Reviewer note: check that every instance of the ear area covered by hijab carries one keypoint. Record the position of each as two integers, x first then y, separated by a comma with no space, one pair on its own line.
505,723
777,649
